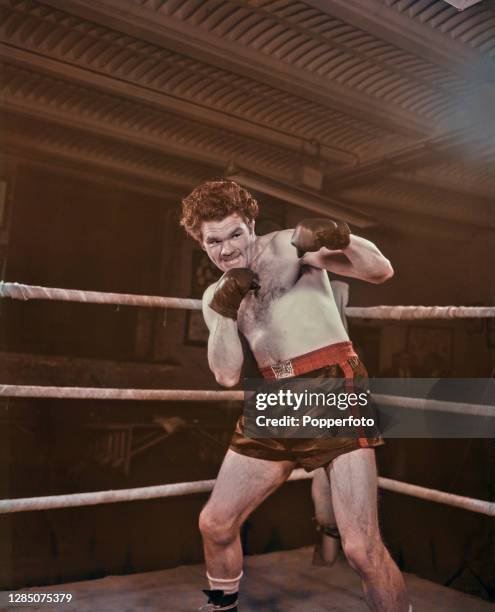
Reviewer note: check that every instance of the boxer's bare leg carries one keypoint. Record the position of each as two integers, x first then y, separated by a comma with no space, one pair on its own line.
354,492
241,485
327,550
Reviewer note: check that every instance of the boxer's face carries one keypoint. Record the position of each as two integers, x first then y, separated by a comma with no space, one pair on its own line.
229,242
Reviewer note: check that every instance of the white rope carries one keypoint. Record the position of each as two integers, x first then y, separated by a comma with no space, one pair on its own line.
433,405
120,394
18,291
28,504
421,312
52,502
450,499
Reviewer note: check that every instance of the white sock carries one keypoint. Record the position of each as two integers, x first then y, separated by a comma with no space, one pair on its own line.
227,585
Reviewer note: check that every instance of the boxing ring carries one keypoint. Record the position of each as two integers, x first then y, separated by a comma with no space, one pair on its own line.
29,292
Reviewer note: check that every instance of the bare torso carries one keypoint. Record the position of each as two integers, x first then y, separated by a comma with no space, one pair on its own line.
294,312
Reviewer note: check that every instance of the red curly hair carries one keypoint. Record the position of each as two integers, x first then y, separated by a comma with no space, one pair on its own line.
213,201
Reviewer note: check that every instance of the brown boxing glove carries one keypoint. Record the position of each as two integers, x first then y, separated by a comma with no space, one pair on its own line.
231,289
312,234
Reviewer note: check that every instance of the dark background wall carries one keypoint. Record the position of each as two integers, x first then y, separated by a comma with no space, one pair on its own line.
72,233
66,231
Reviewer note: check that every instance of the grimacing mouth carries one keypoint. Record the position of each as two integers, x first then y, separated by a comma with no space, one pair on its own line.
230,258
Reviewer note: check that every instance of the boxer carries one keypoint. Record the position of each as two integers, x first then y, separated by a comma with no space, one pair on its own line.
275,291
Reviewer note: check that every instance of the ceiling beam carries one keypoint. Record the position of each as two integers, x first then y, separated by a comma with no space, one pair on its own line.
173,34
300,197
100,170
167,192
422,151
451,186
422,201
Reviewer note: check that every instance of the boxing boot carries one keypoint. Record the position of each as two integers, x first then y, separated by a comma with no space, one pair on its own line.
217,601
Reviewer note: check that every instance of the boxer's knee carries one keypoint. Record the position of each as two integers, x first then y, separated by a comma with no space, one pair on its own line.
217,527
364,553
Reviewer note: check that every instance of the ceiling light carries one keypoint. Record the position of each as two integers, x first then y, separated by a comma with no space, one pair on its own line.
460,5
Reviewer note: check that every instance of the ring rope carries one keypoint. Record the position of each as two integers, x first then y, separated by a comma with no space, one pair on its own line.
433,405
119,394
97,393
27,504
450,499
52,502
18,291
406,313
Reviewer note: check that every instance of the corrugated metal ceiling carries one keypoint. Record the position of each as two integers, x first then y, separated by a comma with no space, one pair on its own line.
269,84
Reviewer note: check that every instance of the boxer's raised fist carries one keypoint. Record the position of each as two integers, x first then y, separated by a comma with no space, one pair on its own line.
231,289
312,234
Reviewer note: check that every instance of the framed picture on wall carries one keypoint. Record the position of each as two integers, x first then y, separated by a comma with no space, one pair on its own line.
431,349
204,273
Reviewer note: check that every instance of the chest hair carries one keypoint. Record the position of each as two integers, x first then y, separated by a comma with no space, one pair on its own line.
274,283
